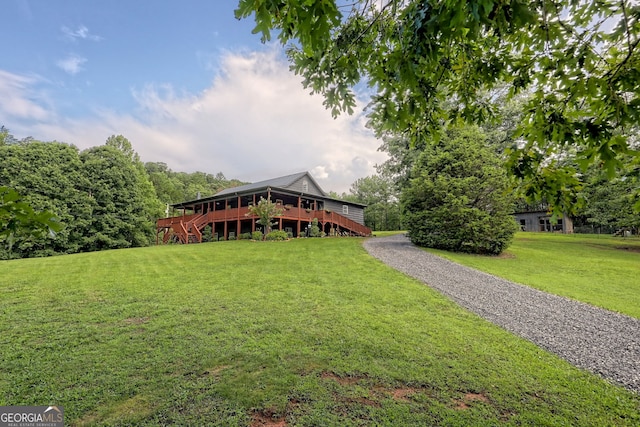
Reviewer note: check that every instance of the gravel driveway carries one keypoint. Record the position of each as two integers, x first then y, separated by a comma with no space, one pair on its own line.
592,338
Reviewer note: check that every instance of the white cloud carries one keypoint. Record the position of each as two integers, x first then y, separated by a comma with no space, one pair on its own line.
20,101
255,121
72,64
81,32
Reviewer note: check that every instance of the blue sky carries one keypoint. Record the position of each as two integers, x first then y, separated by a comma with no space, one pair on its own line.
184,81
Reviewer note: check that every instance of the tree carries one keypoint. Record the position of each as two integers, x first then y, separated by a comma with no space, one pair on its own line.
123,145
18,221
119,216
265,210
458,197
429,64
4,135
380,195
174,187
402,155
102,196
49,177
153,207
501,135
609,203
168,188
314,230
7,138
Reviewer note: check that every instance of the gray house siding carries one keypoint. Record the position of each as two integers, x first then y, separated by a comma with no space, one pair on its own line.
311,188
356,213
541,221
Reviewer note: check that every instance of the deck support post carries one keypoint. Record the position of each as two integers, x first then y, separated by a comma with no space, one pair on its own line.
238,226
299,212
253,220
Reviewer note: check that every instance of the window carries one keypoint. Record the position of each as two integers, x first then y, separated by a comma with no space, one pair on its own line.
305,186
345,209
545,224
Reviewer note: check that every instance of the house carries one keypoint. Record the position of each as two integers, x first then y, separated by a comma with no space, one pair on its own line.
227,212
540,220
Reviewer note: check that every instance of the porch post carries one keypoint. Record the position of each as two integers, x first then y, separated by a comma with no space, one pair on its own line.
299,213
253,220
226,212
238,230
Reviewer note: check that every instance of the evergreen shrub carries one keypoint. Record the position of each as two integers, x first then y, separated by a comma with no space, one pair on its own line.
458,198
277,235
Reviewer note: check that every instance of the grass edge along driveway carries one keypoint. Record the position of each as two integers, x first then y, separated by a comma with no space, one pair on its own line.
600,270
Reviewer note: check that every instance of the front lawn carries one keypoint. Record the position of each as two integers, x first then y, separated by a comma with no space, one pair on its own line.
305,332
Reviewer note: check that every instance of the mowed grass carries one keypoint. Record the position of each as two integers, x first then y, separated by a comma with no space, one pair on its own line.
596,269
310,332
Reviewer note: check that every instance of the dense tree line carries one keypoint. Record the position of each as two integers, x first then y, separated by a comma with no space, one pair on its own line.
173,187
609,202
102,198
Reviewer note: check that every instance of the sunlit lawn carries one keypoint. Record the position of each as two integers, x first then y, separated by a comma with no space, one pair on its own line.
306,332
596,269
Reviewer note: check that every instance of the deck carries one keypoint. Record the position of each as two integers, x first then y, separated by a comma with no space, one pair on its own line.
226,223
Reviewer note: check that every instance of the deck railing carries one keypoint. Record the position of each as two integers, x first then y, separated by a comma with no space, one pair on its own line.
168,222
192,224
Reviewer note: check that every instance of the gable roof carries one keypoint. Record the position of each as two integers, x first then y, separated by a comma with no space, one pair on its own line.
280,182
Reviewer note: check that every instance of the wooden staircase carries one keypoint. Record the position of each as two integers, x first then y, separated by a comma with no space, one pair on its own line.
352,228
182,229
